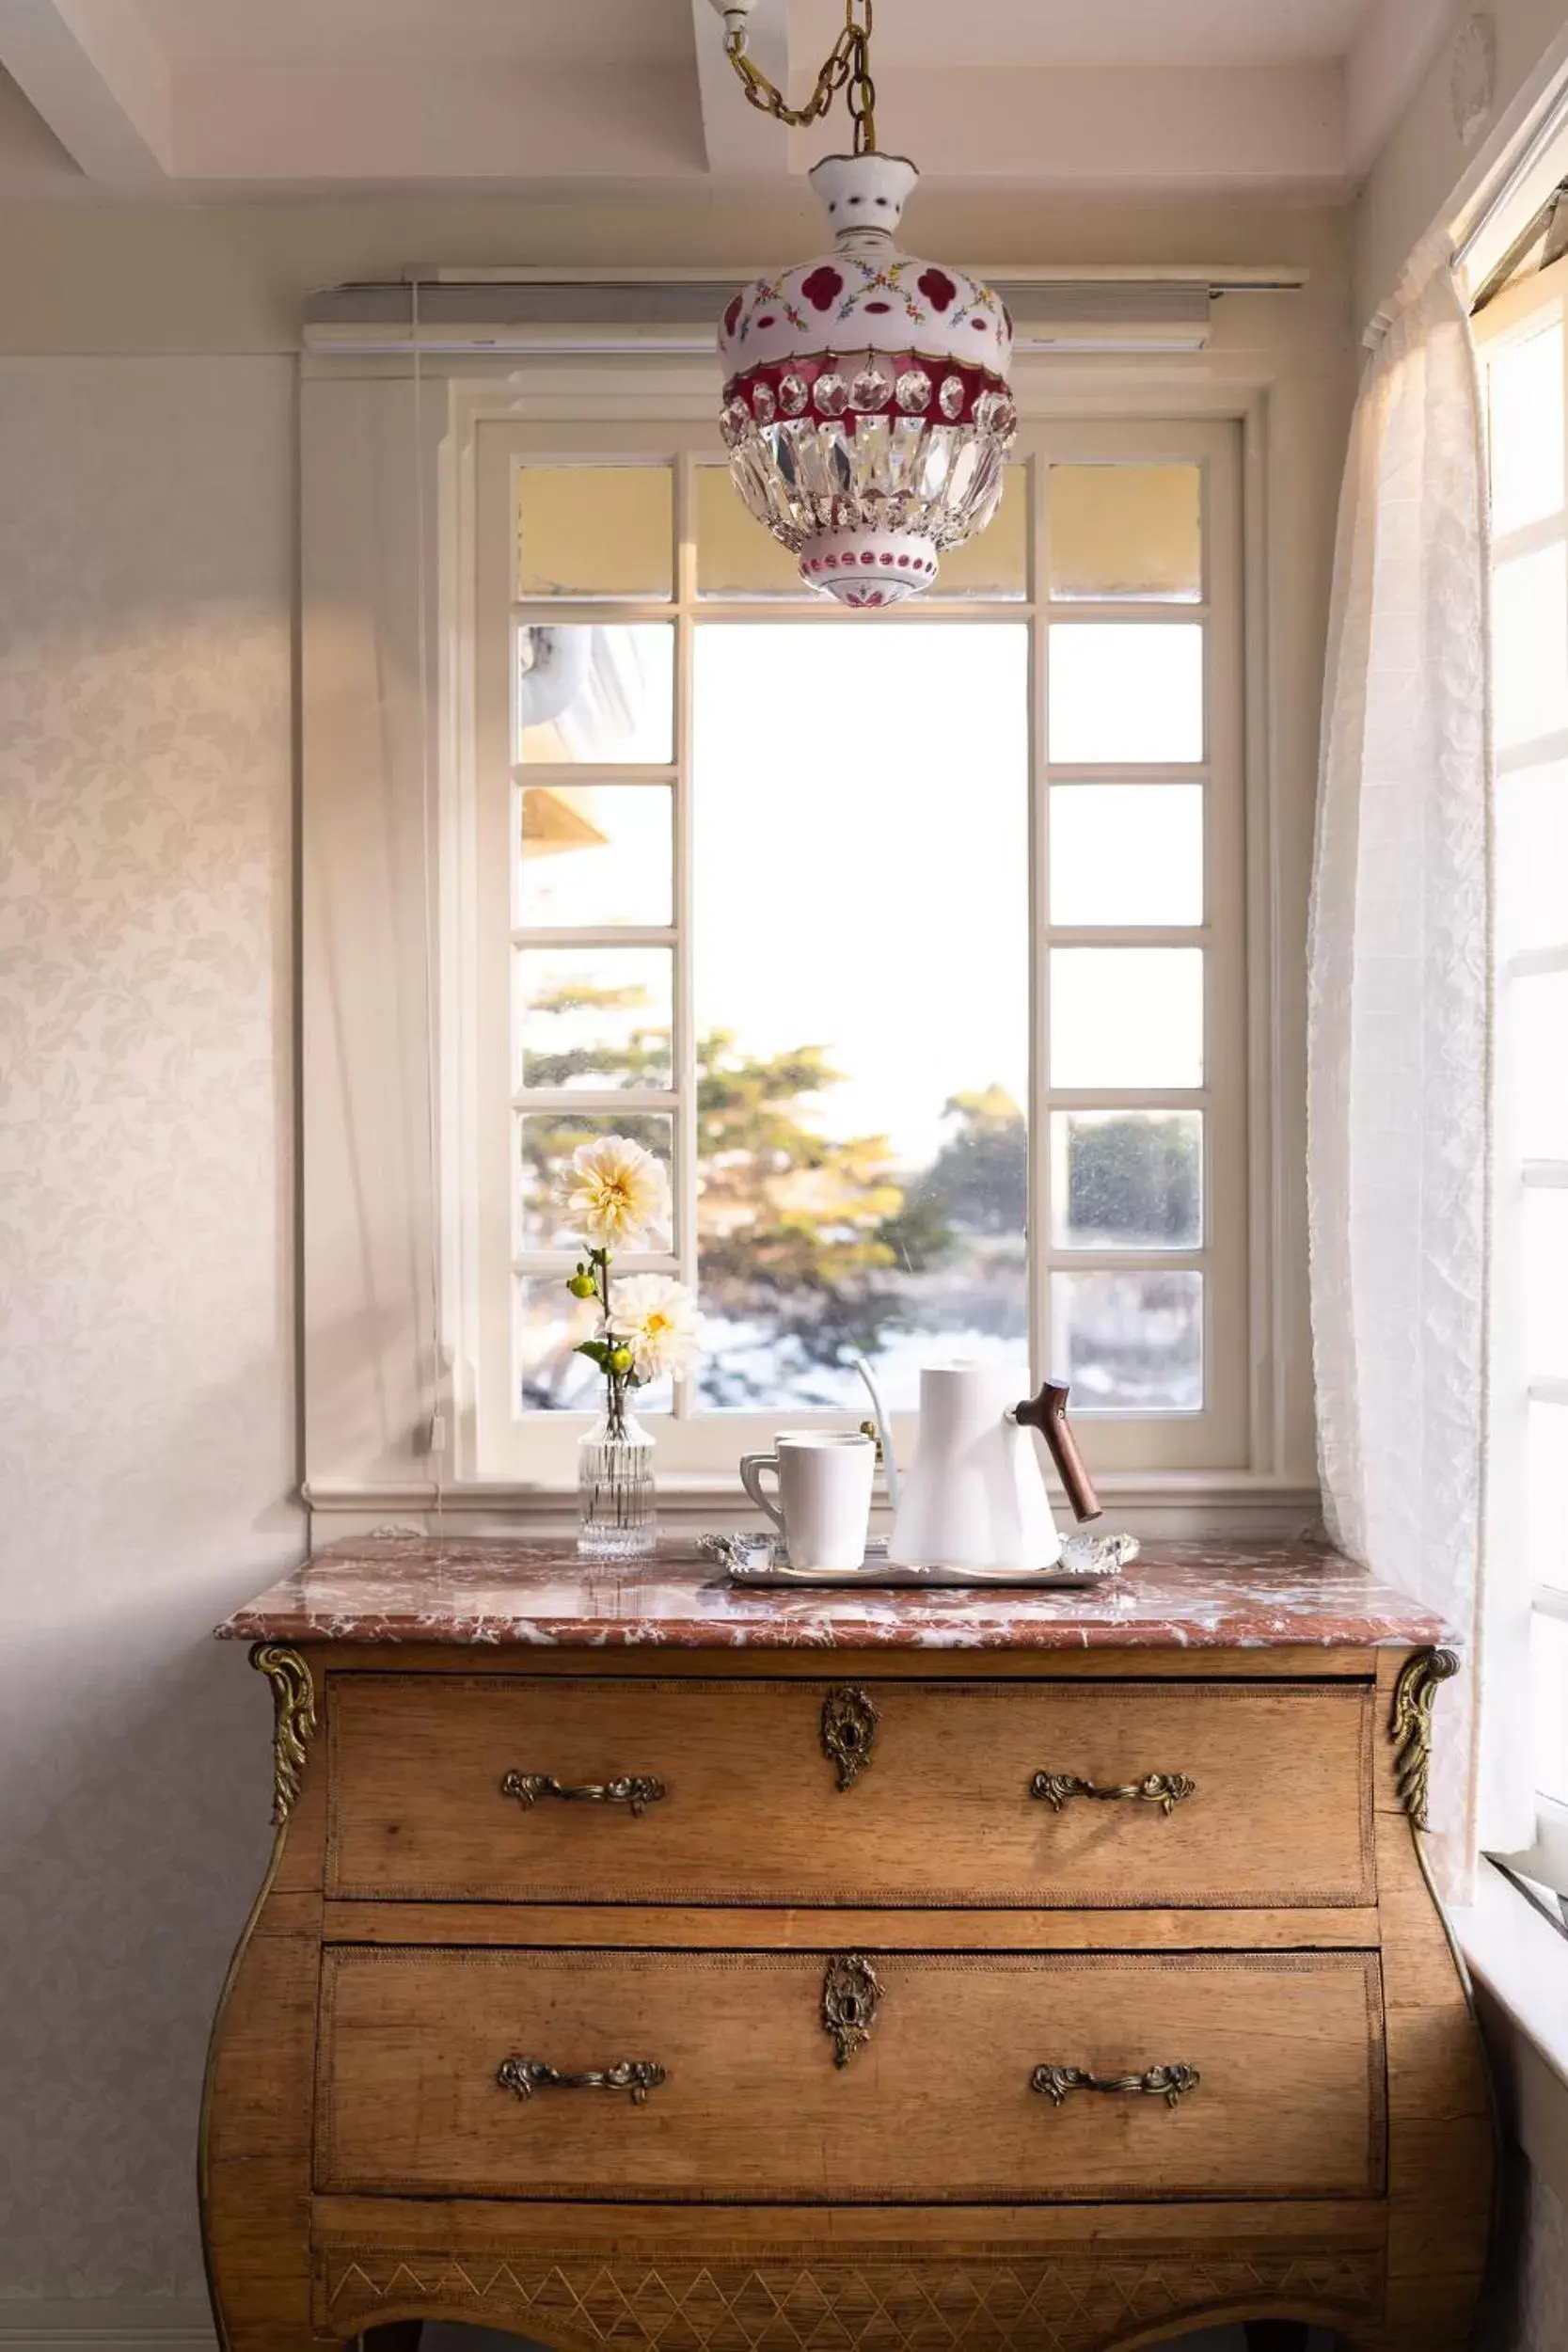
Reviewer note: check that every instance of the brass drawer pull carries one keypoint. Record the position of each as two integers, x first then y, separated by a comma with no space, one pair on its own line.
1165,1789
526,2075
848,1731
528,1787
1159,2082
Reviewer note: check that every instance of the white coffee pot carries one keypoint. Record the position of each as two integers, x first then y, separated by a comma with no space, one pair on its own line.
975,1496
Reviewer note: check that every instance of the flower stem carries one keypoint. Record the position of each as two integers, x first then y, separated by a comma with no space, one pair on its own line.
615,1383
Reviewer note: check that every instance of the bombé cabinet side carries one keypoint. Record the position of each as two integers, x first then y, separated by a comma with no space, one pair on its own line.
294,2265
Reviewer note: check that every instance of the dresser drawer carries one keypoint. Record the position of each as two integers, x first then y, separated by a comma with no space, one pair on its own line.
502,1789
437,2075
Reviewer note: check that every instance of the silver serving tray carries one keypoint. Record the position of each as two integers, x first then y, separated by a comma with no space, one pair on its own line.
756,1563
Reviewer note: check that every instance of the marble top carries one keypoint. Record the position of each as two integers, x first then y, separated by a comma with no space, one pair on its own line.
470,1590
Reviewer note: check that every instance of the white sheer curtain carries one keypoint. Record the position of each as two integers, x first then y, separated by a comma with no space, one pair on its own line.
1399,1051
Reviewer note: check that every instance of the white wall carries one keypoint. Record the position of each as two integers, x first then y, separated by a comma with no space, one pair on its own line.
232,278
1530,2312
147,1419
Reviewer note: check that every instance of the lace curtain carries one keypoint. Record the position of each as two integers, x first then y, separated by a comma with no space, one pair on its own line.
1398,1054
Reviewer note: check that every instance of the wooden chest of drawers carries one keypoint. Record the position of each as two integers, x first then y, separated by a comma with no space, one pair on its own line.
872,1991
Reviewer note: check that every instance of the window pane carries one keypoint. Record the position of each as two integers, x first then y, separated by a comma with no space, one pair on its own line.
1545,1262
1127,1180
735,556
552,1378
594,1016
1126,1016
546,1142
1533,857
1548,1498
595,854
1126,853
1129,1342
1549,1712
1538,1008
597,693
1529,644
595,531
861,1135
1525,383
1126,531
1129,692
995,562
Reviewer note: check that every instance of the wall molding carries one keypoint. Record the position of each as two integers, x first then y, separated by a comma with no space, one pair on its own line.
147,2323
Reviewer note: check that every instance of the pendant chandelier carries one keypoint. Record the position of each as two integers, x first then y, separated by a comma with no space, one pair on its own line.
866,409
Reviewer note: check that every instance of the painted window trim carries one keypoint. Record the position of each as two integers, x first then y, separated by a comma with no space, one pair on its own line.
1511,317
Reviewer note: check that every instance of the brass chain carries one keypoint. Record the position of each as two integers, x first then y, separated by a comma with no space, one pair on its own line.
847,66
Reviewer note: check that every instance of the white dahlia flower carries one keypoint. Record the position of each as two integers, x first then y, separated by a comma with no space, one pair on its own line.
614,1191
657,1318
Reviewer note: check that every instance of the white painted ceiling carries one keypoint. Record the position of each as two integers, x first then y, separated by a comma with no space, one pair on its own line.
193,100
550,35
1093,32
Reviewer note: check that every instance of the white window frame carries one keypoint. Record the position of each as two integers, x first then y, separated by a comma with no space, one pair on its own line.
536,1450
1515,316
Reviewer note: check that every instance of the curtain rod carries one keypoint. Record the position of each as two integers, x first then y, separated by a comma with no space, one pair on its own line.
1221,278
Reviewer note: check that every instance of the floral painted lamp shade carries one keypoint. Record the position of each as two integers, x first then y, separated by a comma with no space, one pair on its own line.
866,408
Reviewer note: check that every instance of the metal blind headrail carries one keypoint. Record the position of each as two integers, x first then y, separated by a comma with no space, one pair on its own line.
583,314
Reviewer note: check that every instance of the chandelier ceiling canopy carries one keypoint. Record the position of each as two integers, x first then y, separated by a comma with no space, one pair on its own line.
866,409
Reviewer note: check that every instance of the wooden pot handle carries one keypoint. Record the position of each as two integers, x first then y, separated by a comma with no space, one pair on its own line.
1047,1412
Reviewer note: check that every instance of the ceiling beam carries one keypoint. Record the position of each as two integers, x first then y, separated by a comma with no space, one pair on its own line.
92,70
399,126
741,143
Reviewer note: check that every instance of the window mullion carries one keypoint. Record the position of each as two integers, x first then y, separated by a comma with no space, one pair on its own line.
1537,962
593,1102
685,1040
583,772
1039,904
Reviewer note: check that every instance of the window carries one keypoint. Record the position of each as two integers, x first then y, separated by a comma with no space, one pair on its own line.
914,946
1524,354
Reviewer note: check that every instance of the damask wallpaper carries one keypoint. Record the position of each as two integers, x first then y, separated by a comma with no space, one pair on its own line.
147,1412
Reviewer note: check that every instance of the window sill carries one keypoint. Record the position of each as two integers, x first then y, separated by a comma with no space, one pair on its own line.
1165,1504
1519,1964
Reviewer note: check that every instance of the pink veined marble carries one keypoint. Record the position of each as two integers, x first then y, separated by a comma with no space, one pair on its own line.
1177,1595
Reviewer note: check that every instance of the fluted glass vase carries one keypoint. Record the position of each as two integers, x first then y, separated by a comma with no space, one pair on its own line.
615,1488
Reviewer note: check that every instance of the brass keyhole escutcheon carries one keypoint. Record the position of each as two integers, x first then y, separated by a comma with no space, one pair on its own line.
848,1732
852,1994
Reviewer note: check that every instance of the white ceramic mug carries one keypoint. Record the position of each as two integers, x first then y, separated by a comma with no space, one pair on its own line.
823,1505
